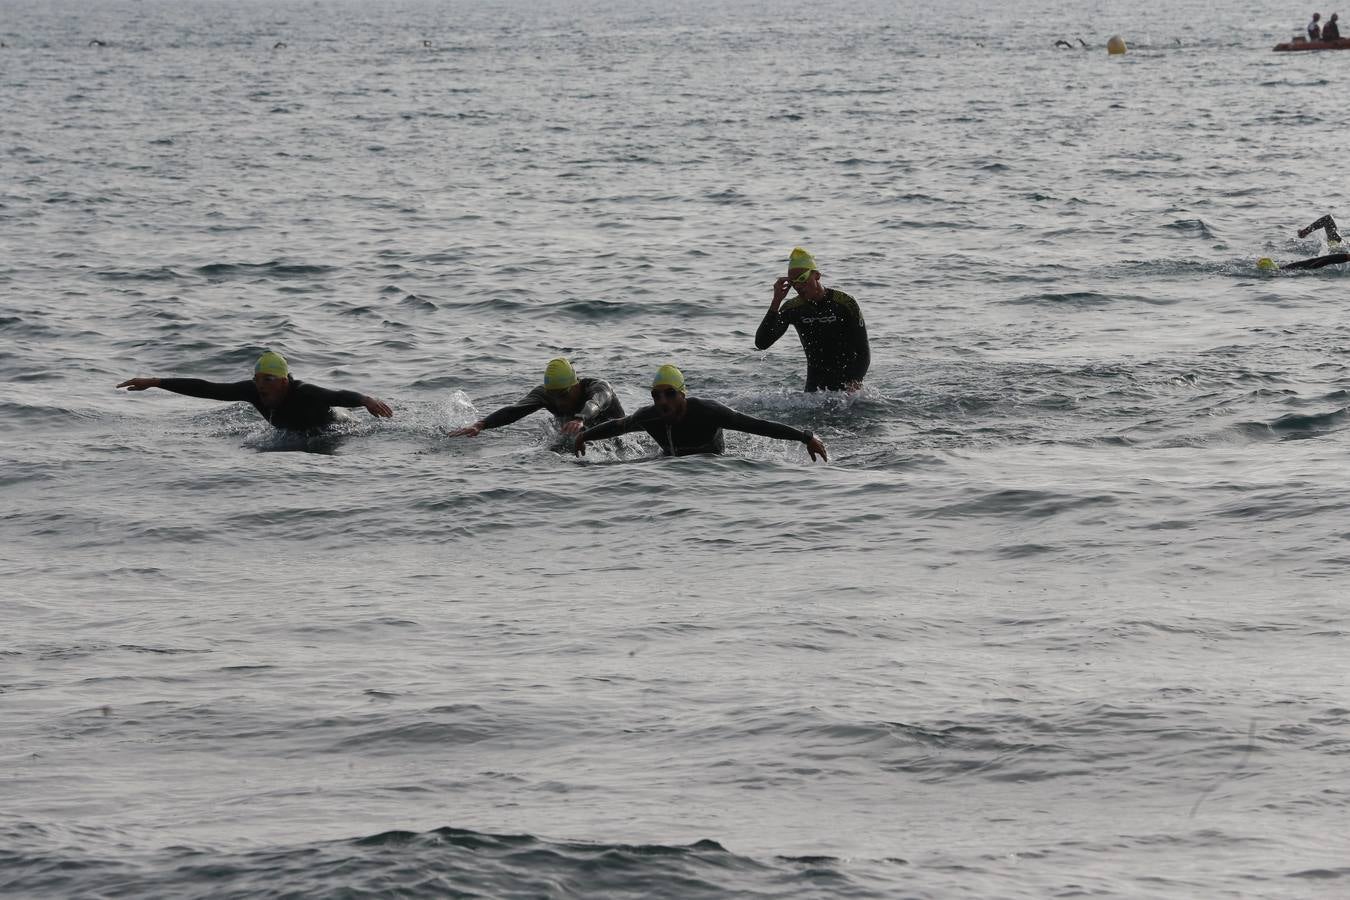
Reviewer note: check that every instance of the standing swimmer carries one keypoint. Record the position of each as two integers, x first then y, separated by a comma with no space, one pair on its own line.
284,401
573,401
683,425
829,323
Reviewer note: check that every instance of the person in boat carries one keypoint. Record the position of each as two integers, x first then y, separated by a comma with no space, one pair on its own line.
1334,241
682,425
1332,31
828,322
284,401
1315,28
574,402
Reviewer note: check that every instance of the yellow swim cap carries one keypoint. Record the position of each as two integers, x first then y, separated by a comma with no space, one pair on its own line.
669,376
1265,264
800,259
558,375
271,364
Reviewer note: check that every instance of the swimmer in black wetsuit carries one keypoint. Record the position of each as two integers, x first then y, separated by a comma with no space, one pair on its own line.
283,401
828,322
1317,262
684,425
575,402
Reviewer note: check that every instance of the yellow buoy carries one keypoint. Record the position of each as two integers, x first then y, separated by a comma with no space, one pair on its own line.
1116,45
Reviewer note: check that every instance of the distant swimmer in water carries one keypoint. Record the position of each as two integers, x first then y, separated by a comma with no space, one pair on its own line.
426,43
828,322
279,45
97,43
1326,222
682,425
284,401
575,403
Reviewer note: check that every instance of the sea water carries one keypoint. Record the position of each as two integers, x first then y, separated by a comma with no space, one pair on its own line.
1063,614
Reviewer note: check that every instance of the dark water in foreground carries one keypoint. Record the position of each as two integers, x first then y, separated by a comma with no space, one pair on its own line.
1064,615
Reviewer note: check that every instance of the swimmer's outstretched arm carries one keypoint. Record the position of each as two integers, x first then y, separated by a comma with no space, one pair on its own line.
612,428
1318,262
196,387
531,402
731,420
348,399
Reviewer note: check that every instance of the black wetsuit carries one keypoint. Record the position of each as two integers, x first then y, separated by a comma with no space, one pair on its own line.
1331,32
833,335
700,431
1318,262
600,405
306,407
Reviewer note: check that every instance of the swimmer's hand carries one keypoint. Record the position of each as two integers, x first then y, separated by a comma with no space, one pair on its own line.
377,408
467,430
139,384
579,448
815,447
780,290
573,427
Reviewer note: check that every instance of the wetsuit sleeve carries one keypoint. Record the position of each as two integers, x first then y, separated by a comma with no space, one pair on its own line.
601,395
1318,262
727,418
857,341
772,328
210,390
612,428
531,402
325,397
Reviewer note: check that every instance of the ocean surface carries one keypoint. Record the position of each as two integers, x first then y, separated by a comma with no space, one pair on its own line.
1064,614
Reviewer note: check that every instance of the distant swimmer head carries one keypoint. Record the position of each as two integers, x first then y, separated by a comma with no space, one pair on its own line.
273,364
1266,264
558,375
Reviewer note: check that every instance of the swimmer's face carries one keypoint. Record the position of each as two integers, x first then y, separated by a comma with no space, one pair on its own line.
669,402
803,279
569,398
272,389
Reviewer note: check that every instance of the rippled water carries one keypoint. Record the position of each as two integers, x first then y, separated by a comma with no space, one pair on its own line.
1063,615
